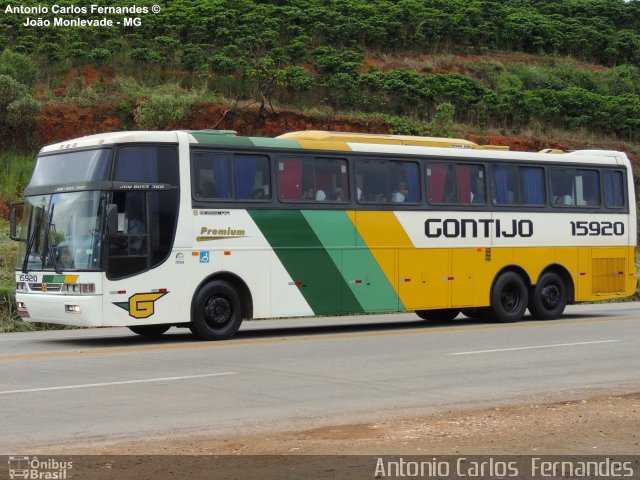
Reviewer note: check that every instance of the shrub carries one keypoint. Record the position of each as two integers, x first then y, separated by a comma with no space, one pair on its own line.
18,66
161,111
22,112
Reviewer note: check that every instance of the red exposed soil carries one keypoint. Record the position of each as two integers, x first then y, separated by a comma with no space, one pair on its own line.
63,121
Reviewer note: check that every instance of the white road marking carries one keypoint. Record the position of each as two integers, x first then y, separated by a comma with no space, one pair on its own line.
533,347
107,384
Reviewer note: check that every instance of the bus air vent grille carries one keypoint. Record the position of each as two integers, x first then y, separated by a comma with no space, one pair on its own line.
608,275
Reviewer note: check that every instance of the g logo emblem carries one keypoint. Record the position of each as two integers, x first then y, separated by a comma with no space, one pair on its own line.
141,305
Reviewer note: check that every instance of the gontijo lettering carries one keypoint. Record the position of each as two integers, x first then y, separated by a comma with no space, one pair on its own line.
471,228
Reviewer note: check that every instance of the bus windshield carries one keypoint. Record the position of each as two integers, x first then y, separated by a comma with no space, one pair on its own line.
70,167
60,232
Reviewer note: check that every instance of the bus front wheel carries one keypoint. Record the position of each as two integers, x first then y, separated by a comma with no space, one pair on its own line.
217,311
441,314
509,298
150,330
549,297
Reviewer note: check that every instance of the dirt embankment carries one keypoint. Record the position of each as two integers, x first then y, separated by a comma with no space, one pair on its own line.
602,424
62,121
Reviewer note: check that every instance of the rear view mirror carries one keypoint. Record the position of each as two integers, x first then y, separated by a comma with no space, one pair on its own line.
12,221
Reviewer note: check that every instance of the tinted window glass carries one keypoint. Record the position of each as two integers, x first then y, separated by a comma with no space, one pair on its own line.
224,176
212,175
382,181
574,187
613,189
518,185
455,183
251,177
532,185
147,163
71,167
308,179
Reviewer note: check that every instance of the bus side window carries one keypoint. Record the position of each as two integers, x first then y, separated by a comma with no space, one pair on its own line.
574,187
613,189
295,179
313,179
452,183
211,175
374,178
532,185
251,178
506,185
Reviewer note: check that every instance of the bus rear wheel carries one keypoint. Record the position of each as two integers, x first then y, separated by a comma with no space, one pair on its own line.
150,330
216,312
441,314
509,298
549,297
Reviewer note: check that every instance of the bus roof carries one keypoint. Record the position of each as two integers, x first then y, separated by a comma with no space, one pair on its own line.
346,141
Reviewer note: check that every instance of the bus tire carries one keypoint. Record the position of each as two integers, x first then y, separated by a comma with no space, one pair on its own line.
548,298
217,311
150,330
509,298
441,314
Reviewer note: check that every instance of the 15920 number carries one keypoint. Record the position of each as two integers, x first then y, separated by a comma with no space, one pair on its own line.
582,229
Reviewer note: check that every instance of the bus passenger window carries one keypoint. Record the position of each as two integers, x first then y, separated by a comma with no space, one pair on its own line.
452,183
382,181
211,175
613,189
251,177
532,185
506,185
574,187
313,179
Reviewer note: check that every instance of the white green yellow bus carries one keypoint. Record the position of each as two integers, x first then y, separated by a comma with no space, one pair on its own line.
202,229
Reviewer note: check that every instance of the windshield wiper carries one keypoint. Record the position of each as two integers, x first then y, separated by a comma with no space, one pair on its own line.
49,243
32,240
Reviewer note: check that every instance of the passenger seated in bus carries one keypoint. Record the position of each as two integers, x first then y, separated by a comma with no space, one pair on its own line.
208,190
308,194
477,198
401,193
337,195
320,195
565,199
258,194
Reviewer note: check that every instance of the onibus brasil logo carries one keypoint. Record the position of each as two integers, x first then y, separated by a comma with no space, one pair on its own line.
35,469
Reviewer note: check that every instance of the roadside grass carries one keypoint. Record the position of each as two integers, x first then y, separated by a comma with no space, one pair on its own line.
16,170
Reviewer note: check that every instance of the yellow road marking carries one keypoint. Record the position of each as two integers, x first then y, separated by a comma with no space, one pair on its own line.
338,336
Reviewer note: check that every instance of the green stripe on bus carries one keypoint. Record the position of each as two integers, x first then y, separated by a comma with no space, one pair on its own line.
359,268
274,142
53,278
307,261
219,139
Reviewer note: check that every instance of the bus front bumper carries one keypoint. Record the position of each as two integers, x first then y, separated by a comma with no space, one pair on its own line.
74,310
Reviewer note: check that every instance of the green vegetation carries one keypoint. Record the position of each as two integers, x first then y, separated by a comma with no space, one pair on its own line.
315,54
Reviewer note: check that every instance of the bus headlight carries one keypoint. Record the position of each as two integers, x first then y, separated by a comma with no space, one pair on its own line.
72,308
79,288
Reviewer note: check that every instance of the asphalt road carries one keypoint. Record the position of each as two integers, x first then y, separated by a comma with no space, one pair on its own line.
78,386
